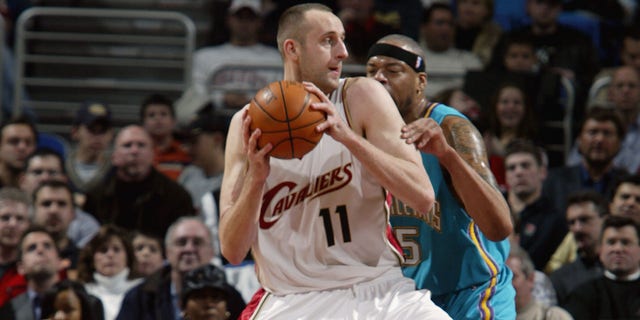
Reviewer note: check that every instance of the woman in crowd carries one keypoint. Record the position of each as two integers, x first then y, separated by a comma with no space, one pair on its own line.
510,116
104,267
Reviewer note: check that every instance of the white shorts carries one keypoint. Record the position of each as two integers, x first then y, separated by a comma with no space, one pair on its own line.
391,296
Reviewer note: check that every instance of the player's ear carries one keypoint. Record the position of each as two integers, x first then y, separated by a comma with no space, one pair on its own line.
290,49
422,81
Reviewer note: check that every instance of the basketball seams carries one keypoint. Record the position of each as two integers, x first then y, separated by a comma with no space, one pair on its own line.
286,113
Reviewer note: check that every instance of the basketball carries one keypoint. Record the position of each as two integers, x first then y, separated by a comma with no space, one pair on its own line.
282,112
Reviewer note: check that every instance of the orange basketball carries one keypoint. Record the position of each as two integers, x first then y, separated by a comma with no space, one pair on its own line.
281,111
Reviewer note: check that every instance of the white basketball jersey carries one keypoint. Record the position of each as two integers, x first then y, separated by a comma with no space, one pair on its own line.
323,221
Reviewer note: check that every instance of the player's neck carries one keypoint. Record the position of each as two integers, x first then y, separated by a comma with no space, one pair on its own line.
419,111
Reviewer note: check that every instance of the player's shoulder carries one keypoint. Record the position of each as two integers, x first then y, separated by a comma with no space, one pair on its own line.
362,87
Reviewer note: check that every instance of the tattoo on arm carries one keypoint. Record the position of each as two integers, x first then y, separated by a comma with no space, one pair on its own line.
468,143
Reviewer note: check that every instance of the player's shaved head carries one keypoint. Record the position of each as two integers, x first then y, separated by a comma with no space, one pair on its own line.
293,25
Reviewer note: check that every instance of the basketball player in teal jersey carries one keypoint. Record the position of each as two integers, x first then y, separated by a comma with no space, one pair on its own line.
459,251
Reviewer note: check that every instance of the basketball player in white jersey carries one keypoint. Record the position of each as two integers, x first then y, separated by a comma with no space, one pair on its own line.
318,226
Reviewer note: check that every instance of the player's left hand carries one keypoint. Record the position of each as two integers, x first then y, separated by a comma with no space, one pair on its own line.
334,125
426,135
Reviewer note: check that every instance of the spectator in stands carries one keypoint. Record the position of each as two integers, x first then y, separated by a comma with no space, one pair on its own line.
205,292
69,300
45,164
137,196
626,198
17,142
188,246
624,94
475,30
509,116
613,295
234,86
89,161
53,209
630,51
438,41
625,201
38,262
148,252
105,268
14,221
527,307
208,134
359,18
542,227
158,118
563,49
456,98
599,140
586,210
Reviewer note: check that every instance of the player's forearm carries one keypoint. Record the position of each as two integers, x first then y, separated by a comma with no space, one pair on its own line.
405,179
484,203
239,223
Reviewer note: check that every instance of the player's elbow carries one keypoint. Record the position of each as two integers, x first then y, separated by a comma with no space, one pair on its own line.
232,255
499,230
427,201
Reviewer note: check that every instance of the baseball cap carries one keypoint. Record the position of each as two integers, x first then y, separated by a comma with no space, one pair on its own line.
205,277
253,5
208,123
93,112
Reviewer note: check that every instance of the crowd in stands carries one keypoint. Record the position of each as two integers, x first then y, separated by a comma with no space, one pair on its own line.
122,222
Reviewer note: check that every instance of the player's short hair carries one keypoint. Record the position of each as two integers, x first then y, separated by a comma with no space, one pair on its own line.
292,24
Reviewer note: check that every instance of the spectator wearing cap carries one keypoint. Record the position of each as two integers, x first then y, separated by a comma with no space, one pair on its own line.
88,163
17,141
206,294
207,134
234,87
159,120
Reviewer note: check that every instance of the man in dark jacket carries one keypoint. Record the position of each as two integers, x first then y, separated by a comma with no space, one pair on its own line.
137,196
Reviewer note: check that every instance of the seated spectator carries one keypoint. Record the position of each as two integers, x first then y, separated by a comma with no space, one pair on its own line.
159,120
510,116
523,281
148,254
69,300
601,134
17,141
89,160
586,210
562,49
231,88
361,18
205,292
53,209
459,100
540,226
137,196
208,134
14,221
615,294
475,30
46,165
626,198
105,268
39,262
188,247
445,64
